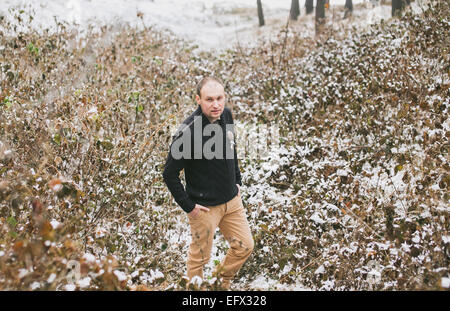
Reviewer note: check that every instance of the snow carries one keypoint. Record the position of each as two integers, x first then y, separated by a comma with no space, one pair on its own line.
320,270
155,274
291,237
212,24
266,283
89,257
85,282
341,172
23,273
69,287
405,247
316,218
51,278
121,276
35,285
196,281
55,224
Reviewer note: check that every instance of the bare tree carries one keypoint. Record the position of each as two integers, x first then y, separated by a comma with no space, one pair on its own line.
397,7
260,13
320,11
309,4
348,8
295,9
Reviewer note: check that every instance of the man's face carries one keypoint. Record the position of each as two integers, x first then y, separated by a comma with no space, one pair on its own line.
212,100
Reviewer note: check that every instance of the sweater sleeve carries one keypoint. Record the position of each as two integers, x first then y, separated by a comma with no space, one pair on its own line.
171,177
236,162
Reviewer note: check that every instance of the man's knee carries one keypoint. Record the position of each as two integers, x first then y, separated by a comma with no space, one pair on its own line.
244,248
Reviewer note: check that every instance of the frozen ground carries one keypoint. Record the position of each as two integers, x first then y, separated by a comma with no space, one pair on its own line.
212,24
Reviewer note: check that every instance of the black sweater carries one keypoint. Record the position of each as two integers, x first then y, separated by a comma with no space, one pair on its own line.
208,181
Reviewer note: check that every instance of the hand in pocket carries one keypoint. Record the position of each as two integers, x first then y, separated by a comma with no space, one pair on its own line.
195,213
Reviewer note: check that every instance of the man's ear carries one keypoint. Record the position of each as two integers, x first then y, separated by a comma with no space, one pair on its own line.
197,98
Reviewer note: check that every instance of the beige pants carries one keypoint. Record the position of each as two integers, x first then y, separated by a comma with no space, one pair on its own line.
231,219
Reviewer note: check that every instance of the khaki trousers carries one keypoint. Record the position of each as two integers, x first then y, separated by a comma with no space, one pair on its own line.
232,221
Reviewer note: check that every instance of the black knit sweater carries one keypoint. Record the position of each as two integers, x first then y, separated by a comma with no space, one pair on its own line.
208,181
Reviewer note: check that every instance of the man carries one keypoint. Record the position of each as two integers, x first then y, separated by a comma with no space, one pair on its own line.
212,196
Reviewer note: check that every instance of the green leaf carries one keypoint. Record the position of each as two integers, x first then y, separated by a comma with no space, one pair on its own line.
32,49
107,144
57,138
12,221
6,102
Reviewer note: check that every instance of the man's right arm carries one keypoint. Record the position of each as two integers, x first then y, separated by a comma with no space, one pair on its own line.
171,177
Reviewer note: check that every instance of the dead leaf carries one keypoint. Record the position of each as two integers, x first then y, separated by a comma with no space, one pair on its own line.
55,184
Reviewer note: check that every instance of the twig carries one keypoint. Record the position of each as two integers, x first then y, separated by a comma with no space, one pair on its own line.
239,44
362,221
145,143
311,262
401,201
284,42
360,147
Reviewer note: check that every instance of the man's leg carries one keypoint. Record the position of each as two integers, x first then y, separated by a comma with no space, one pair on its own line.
202,235
234,226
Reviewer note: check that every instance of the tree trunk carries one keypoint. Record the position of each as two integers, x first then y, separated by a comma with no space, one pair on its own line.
348,8
309,4
397,7
260,13
295,9
349,5
320,15
320,11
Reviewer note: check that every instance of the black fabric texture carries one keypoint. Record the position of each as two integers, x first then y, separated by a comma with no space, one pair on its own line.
208,181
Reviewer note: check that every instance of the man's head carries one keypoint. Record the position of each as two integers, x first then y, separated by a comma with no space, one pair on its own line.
211,97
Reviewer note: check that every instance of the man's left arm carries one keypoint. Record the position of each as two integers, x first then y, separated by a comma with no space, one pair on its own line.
236,168
237,171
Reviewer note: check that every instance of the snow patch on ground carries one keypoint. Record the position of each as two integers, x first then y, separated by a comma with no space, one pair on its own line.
212,24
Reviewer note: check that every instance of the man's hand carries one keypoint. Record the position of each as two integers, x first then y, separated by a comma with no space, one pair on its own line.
194,213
